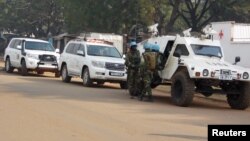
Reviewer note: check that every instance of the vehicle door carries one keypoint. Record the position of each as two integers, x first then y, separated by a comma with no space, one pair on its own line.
80,59
74,59
173,61
67,57
10,51
17,55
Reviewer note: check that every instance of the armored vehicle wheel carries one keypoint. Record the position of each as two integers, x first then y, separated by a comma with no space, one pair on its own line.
8,67
240,101
24,70
65,76
86,78
182,89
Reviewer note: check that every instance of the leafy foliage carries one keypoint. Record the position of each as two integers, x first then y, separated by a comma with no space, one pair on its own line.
39,18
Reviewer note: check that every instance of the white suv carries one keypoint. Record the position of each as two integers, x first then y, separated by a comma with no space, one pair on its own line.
28,54
94,61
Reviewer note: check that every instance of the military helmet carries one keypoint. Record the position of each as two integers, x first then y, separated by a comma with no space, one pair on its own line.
133,44
156,48
147,46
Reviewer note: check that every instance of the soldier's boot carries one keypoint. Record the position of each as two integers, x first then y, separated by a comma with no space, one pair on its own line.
140,97
149,98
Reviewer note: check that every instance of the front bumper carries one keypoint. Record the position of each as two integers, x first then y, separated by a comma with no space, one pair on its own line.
33,64
107,75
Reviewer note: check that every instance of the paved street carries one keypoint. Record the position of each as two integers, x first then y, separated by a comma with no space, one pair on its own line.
43,108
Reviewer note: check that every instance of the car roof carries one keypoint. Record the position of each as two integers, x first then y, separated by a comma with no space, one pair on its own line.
92,43
31,39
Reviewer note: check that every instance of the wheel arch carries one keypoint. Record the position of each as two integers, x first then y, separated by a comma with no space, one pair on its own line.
83,68
22,59
181,68
6,57
63,63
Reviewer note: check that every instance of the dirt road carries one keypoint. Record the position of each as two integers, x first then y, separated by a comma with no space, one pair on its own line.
39,108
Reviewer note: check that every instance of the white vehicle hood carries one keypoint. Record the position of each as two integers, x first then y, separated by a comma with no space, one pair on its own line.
107,59
40,52
213,64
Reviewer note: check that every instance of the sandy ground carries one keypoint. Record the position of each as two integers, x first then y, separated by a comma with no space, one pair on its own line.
42,108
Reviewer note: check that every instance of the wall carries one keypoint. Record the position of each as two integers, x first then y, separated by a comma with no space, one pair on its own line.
235,41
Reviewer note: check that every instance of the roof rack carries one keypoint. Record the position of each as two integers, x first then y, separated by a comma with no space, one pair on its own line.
94,40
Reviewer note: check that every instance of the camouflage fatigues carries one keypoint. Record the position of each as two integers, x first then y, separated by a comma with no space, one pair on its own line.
133,62
146,77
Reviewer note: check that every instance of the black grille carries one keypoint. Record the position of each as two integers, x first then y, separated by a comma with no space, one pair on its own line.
115,66
47,58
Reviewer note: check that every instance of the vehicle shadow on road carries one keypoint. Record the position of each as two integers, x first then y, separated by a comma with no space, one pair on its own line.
198,102
181,136
30,74
47,87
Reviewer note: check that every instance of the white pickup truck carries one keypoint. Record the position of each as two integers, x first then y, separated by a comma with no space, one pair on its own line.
196,65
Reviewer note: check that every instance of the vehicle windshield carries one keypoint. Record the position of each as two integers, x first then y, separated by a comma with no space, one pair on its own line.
39,46
105,51
207,50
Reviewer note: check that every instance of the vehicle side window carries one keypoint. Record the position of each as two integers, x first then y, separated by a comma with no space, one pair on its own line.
75,48
18,42
82,48
182,49
70,48
12,43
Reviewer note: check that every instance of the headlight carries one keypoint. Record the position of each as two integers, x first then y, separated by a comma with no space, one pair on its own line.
32,56
98,64
205,72
245,75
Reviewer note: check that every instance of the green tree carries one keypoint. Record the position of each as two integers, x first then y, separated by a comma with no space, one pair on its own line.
232,10
32,17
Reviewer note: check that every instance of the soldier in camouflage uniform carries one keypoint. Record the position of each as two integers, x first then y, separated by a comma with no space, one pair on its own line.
132,62
156,80
146,75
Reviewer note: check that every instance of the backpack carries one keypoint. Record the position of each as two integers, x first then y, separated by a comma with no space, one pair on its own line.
150,60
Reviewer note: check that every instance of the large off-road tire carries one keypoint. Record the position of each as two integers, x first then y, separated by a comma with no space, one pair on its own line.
124,85
24,70
86,78
8,67
65,76
240,101
182,89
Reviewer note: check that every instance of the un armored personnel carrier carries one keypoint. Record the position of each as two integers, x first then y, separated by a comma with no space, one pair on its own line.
196,65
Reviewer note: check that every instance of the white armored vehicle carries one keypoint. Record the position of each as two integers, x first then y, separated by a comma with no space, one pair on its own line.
196,65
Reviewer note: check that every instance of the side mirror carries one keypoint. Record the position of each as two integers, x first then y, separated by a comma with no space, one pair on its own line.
237,59
19,47
57,50
80,52
177,54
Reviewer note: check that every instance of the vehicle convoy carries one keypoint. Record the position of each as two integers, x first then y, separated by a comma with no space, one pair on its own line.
196,65
26,54
92,60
